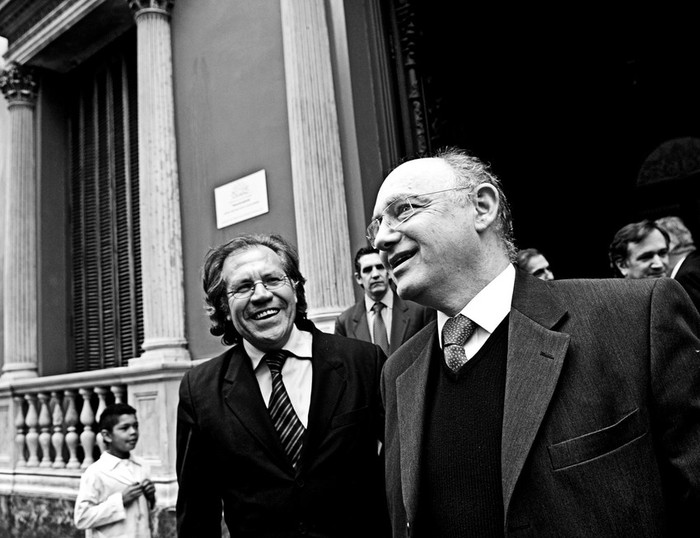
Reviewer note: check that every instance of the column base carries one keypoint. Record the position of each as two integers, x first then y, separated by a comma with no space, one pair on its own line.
324,318
161,354
17,371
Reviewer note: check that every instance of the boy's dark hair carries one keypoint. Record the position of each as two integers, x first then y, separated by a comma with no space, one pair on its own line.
110,416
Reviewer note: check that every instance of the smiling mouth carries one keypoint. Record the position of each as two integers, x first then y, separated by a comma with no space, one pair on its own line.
264,314
397,260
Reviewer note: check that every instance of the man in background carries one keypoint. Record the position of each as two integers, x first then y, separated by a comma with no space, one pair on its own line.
640,250
534,262
380,307
683,256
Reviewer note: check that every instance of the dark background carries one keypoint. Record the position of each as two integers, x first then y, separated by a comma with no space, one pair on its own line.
566,108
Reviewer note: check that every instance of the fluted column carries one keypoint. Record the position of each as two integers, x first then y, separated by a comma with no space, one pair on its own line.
161,243
20,213
317,171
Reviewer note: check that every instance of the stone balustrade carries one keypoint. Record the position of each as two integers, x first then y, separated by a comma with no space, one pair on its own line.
56,428
48,426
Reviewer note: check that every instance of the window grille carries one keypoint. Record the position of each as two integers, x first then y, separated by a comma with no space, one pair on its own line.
106,261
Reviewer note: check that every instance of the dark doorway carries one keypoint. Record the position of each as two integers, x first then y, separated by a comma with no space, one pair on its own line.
565,106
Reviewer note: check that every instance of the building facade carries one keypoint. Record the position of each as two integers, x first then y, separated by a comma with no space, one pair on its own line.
139,133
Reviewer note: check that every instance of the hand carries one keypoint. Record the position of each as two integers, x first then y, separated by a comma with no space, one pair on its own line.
149,490
131,493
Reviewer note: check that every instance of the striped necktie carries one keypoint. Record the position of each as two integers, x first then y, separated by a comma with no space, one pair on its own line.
285,419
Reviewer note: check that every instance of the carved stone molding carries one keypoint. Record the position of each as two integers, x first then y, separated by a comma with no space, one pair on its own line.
139,7
19,85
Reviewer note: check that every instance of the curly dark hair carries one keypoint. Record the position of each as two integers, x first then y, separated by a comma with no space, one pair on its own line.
216,300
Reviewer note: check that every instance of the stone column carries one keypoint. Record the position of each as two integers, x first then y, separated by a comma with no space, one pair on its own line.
19,86
317,171
161,243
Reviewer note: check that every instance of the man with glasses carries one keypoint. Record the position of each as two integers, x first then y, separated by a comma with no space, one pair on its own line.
561,408
380,316
284,428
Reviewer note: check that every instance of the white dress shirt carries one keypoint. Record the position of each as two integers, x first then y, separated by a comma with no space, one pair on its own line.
388,301
487,309
99,508
297,373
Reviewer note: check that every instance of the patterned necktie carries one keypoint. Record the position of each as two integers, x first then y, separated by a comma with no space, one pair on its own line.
455,333
285,419
379,328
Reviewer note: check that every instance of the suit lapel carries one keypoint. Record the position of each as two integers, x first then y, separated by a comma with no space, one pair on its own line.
327,388
242,395
411,402
399,323
535,358
360,326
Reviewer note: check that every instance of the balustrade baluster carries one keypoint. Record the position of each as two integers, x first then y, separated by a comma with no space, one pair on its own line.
20,431
57,435
45,430
102,403
32,438
119,393
87,419
71,420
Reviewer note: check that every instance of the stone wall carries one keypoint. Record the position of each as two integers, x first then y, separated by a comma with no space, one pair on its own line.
39,517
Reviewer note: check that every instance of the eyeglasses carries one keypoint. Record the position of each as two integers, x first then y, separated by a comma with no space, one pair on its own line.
246,289
398,212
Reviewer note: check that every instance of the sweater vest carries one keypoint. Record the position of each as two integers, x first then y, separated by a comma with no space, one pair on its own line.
460,484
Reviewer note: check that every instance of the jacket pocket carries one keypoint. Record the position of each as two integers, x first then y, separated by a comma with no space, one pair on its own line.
351,417
597,443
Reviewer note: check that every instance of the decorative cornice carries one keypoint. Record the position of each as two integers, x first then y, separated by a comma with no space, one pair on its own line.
19,85
139,7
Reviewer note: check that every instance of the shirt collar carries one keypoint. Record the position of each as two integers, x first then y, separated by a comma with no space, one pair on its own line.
388,301
113,461
488,308
299,344
677,266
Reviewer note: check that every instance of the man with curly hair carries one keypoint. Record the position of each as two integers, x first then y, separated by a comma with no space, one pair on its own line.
283,431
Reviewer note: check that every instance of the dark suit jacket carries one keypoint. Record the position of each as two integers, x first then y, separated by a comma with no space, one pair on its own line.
228,449
407,318
601,421
688,276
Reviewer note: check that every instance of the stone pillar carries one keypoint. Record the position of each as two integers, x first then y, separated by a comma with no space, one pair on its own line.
19,86
161,243
317,171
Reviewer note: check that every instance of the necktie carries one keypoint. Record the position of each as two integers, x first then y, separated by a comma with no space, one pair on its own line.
455,333
379,328
285,419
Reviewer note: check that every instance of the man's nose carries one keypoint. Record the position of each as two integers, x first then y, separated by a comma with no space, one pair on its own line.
260,291
386,236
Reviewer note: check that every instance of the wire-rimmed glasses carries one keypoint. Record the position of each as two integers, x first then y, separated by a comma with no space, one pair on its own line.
398,212
246,289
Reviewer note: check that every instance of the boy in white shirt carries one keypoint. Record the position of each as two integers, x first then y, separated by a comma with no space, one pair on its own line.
116,495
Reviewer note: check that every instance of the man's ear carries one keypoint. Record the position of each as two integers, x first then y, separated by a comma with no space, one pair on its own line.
106,435
486,203
622,267
358,279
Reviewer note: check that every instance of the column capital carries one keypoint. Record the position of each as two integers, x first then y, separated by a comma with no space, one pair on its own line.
19,85
139,7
